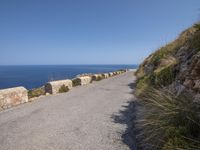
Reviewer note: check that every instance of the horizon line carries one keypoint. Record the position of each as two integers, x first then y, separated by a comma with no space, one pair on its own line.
60,64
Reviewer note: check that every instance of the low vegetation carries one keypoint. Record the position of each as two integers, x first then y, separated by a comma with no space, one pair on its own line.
76,82
168,120
36,92
63,89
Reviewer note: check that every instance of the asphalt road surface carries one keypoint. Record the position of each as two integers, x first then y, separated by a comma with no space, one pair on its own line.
78,120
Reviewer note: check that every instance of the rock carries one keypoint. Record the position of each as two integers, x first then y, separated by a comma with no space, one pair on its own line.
197,98
54,86
82,80
197,85
188,83
13,96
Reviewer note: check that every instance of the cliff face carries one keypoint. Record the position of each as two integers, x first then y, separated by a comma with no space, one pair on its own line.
175,66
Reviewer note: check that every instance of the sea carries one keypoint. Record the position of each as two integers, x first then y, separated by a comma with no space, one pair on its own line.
34,76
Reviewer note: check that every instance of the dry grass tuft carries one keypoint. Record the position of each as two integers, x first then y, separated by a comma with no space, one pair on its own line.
168,122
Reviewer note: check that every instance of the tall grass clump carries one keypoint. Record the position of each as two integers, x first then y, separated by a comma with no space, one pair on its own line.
168,122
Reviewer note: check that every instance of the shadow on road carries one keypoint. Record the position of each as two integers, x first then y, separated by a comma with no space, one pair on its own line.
132,85
127,116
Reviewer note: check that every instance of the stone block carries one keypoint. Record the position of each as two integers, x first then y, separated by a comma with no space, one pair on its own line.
54,86
110,74
97,77
105,75
82,80
13,96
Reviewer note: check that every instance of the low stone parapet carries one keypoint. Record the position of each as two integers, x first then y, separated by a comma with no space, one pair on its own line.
82,80
97,77
13,96
114,73
105,75
54,87
110,74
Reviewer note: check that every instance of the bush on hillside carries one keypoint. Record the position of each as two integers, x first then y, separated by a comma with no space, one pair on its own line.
164,77
168,121
195,41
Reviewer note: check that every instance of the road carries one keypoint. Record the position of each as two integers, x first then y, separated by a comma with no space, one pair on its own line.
81,119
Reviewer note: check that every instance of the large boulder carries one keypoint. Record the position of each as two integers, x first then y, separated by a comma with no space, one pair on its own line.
13,96
54,87
82,80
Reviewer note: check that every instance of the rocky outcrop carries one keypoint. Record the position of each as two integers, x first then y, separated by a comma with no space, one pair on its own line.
191,74
178,60
84,80
55,86
13,96
168,95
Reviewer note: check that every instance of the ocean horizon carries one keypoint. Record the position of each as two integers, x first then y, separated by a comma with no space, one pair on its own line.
34,76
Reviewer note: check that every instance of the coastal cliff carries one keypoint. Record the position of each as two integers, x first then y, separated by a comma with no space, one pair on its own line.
168,89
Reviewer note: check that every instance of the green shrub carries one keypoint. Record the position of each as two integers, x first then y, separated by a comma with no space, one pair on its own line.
168,122
63,89
158,55
197,26
163,77
195,40
99,78
158,79
141,85
76,82
36,92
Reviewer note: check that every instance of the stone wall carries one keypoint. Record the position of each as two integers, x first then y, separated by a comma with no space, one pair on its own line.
13,96
54,86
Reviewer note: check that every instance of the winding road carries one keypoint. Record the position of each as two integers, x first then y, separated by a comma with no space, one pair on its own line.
81,119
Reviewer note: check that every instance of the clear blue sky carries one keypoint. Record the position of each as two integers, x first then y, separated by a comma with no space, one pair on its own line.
89,31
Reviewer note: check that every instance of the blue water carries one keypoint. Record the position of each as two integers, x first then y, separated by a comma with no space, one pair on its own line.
36,76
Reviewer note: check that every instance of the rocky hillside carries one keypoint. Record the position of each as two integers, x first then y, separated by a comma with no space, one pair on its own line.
168,91
176,64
